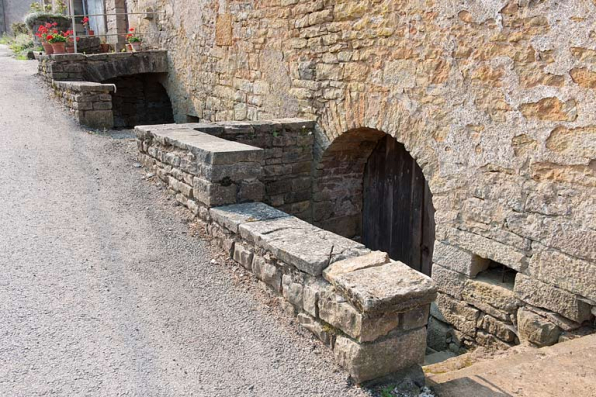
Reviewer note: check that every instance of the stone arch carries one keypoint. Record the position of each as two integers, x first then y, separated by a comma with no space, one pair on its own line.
346,136
98,70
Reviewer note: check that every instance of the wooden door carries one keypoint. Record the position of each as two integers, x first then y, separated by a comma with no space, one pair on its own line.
398,216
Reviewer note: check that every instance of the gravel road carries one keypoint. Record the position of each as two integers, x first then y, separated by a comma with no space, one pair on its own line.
104,291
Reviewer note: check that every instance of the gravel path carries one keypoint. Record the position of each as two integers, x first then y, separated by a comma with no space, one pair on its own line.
103,289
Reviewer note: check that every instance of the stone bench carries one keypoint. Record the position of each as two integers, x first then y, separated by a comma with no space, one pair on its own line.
370,310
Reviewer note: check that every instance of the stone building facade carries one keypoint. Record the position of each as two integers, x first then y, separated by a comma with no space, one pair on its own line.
494,100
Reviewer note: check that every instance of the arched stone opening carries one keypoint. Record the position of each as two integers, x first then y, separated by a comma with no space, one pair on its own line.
140,99
369,188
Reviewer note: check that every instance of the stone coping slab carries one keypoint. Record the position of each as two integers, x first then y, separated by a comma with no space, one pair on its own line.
207,148
84,86
290,239
393,286
100,57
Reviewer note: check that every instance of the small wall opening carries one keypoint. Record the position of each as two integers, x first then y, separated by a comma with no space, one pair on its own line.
369,188
498,274
140,100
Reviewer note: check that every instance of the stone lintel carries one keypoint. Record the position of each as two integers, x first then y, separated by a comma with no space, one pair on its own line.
84,86
390,287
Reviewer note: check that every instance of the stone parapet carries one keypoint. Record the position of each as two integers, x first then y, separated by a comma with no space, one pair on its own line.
91,103
370,310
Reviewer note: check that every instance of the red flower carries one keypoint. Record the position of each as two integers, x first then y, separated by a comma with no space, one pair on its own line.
49,37
55,24
131,29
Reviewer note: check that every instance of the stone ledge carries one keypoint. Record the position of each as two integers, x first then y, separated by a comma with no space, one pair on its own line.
79,86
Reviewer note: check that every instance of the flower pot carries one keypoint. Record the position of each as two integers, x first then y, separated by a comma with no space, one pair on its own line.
91,32
47,47
104,48
136,46
59,48
70,49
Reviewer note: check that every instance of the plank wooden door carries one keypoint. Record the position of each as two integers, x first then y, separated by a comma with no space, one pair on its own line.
398,216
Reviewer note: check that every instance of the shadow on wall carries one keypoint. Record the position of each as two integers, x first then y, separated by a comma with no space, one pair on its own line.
140,99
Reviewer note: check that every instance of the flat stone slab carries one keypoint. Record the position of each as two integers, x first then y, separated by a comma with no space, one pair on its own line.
390,287
207,148
232,216
375,258
301,244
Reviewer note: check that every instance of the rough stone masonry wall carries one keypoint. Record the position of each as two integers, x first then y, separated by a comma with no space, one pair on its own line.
371,311
90,103
494,99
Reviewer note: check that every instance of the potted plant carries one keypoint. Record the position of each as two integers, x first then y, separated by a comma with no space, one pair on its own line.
104,47
134,41
42,33
58,41
90,31
70,41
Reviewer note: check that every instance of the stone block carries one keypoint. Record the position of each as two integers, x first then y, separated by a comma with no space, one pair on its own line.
250,191
389,287
489,340
102,105
461,316
571,274
232,216
292,291
552,298
213,194
501,330
375,258
243,255
416,318
318,329
267,272
368,361
312,292
300,244
487,292
448,281
437,334
536,329
99,119
458,260
341,314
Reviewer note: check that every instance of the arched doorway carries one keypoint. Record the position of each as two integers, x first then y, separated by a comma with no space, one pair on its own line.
369,188
397,215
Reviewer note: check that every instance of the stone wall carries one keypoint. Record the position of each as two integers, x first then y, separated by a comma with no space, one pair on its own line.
371,311
90,103
493,99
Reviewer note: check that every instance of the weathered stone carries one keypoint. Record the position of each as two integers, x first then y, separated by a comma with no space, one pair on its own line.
458,314
504,332
213,194
232,216
375,258
373,360
549,297
488,292
564,323
292,291
316,328
312,292
267,272
336,311
99,119
536,329
389,287
438,333
458,260
448,281
416,318
486,339
243,255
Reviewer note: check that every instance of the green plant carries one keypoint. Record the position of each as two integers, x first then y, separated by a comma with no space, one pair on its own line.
387,392
60,7
19,28
132,37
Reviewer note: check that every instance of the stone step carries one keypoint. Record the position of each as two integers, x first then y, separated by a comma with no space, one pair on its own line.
566,369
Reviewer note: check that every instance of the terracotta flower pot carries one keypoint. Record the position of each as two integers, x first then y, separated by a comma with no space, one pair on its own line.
59,48
70,49
47,48
136,46
104,48
91,32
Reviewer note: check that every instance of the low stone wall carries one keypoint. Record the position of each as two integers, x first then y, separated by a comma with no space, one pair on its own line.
100,67
91,103
370,310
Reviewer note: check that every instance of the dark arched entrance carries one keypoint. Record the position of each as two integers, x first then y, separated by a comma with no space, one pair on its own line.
369,188
397,215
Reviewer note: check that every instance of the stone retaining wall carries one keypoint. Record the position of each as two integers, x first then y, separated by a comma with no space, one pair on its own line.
91,103
370,310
